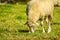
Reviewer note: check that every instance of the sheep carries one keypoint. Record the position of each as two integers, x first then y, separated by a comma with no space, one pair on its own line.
39,9
57,2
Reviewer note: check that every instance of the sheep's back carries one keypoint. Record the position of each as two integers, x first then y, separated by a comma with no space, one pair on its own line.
39,8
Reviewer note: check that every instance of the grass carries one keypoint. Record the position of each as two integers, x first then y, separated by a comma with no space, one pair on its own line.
12,19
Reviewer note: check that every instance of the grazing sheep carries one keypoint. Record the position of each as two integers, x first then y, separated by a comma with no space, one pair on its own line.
39,9
57,2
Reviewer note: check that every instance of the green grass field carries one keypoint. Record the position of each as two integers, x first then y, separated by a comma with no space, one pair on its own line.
12,19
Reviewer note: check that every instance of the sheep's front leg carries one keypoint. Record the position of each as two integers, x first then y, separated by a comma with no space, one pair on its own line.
48,23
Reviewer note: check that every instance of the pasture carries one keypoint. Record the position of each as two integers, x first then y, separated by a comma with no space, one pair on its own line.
13,18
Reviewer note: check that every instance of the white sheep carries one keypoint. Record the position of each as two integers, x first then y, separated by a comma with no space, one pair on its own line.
39,9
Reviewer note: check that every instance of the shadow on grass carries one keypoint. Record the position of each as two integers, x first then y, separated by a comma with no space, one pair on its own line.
55,23
25,31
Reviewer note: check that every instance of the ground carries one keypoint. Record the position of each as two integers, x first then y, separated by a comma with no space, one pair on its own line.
13,18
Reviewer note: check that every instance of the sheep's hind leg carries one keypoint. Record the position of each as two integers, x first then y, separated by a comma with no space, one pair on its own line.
48,23
49,29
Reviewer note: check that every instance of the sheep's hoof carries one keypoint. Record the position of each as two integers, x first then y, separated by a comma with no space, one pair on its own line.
49,30
43,31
